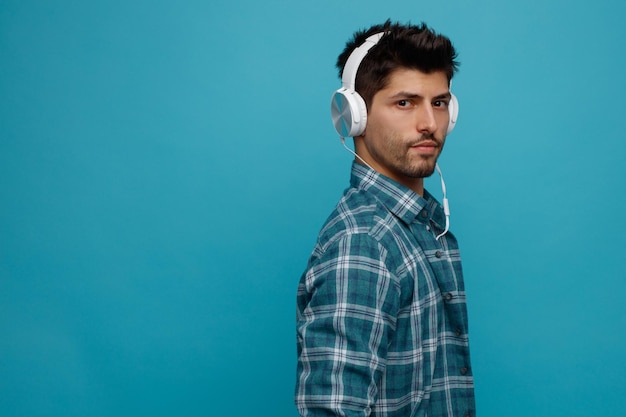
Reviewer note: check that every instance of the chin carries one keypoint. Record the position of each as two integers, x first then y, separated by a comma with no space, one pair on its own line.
421,171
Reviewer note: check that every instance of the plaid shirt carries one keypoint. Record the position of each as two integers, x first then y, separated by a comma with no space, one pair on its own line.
381,318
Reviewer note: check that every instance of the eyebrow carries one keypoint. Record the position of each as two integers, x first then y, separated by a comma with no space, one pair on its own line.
409,95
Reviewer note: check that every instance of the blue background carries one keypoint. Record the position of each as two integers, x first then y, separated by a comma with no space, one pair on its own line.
166,166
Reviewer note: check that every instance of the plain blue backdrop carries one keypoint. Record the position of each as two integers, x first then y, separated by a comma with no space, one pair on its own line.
166,166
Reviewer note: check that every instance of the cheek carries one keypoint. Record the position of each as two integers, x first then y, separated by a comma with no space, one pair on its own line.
387,122
442,122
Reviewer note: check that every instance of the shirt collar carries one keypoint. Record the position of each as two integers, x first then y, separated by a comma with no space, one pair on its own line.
397,198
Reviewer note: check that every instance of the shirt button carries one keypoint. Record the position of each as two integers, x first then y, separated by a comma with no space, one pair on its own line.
424,213
428,228
438,254
458,332
448,296
463,371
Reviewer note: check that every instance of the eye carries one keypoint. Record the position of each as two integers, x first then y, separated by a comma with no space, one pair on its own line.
404,103
441,104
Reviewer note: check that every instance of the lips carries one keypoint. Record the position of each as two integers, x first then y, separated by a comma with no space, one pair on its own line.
427,143
426,146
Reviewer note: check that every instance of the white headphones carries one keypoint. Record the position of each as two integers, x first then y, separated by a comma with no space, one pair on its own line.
347,107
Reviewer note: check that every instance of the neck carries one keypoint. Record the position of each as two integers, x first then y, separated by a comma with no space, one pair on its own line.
414,184
418,187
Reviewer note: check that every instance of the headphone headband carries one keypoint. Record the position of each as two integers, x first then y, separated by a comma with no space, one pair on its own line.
348,77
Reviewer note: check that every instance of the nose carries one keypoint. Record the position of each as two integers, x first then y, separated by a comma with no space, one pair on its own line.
426,122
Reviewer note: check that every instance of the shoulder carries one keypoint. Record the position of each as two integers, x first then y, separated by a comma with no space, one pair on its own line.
358,213
360,226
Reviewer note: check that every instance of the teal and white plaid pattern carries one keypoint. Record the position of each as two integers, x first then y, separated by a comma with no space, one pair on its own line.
381,318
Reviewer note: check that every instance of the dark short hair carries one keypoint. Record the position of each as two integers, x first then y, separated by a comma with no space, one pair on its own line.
402,46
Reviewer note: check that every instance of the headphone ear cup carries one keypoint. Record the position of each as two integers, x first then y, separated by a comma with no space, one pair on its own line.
349,113
453,110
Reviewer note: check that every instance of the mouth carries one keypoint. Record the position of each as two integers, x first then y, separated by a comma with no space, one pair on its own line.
426,147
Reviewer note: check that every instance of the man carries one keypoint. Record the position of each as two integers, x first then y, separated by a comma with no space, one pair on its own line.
381,318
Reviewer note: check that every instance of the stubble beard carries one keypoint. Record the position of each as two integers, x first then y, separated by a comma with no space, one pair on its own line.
408,164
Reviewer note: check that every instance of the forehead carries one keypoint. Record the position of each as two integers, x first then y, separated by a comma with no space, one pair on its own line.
417,82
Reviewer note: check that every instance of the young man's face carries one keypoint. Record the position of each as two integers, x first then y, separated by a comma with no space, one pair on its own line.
407,123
